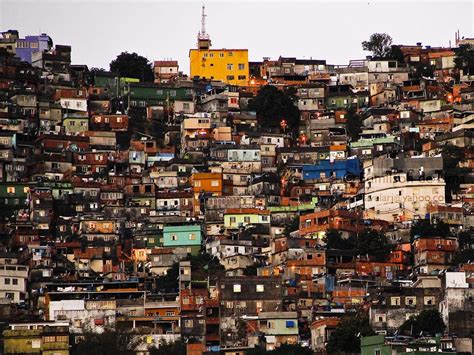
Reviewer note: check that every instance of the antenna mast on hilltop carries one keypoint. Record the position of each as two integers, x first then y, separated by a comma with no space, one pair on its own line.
203,38
203,23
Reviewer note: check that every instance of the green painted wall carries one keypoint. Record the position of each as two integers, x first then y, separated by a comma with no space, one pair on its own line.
187,235
236,220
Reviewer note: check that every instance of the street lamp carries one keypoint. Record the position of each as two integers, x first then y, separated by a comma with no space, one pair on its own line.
303,139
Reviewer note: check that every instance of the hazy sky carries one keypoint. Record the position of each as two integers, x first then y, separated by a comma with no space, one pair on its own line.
331,30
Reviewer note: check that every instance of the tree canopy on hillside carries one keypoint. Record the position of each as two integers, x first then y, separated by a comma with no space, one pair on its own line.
133,65
273,106
380,44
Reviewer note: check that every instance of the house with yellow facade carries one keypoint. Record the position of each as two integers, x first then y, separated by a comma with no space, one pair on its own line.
228,65
36,338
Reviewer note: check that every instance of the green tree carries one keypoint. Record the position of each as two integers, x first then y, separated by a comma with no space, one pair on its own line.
251,270
168,348
463,256
346,337
452,156
373,243
202,266
423,70
292,225
110,342
427,321
273,105
334,240
466,239
170,281
380,44
139,124
97,70
132,65
424,228
464,57
353,124
397,54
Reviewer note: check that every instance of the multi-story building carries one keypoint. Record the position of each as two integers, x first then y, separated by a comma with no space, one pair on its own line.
36,338
433,253
13,282
187,236
165,70
400,197
228,65
245,296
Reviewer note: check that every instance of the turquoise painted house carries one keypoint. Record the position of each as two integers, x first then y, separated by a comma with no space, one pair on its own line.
183,236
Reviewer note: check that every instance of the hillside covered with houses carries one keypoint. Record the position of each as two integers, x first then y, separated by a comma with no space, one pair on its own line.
279,206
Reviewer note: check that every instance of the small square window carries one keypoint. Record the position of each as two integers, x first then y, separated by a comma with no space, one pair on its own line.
395,301
260,288
237,288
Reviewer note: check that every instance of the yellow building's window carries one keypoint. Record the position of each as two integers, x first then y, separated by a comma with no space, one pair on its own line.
231,54
211,55
221,54
205,55
242,77
241,66
62,338
230,77
230,66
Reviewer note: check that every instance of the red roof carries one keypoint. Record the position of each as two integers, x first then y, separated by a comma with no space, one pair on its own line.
246,211
166,63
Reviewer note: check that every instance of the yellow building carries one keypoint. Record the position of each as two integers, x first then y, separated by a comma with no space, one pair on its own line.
228,65
46,338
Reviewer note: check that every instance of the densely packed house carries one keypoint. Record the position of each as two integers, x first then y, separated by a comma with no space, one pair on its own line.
184,209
